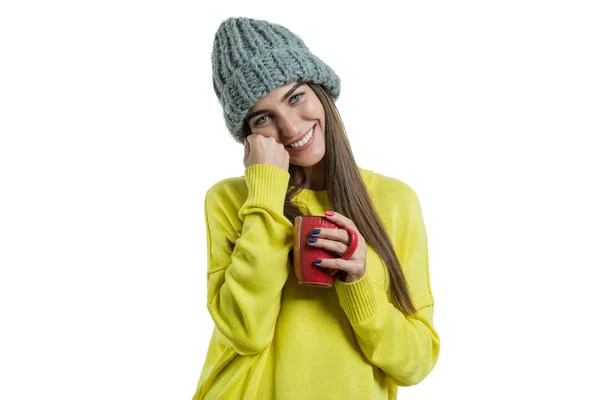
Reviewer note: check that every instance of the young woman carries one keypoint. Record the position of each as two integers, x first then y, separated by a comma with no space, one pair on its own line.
273,338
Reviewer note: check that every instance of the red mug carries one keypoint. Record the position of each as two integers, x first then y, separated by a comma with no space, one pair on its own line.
307,272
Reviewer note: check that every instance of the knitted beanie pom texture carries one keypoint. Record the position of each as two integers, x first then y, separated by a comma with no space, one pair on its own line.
252,57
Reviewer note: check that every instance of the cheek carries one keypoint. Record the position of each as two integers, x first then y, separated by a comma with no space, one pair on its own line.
266,133
322,143
314,109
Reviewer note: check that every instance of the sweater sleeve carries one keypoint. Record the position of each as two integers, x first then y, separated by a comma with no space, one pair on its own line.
406,348
245,283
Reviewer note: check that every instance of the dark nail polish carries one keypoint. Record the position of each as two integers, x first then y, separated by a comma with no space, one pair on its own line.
312,240
315,231
318,261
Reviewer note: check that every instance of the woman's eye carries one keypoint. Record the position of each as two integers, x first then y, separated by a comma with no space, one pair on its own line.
260,120
296,97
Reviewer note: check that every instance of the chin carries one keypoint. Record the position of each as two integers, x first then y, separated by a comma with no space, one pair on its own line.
309,157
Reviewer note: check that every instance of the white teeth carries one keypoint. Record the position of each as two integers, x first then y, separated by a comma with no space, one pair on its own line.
303,141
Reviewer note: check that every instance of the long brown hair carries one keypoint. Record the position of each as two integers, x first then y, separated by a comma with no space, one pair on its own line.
349,197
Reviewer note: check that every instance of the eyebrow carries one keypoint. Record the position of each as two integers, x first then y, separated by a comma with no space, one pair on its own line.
283,98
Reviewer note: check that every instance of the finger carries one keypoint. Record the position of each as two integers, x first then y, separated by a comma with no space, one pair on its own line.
335,264
340,235
331,245
339,219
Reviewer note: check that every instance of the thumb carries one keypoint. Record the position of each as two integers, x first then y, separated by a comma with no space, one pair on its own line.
246,147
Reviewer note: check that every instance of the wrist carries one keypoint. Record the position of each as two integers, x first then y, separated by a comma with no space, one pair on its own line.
267,186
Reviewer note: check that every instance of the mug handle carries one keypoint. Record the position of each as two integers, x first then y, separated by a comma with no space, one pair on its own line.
352,246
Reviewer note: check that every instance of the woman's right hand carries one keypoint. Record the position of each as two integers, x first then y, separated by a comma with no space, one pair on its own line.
259,149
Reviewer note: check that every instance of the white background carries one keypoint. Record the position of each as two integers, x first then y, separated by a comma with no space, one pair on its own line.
111,134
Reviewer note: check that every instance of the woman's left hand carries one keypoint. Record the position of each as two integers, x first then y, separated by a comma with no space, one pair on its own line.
337,241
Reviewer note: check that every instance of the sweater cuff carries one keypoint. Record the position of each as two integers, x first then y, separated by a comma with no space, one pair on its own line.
357,298
267,186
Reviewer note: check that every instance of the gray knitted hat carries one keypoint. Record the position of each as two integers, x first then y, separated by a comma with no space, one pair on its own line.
251,57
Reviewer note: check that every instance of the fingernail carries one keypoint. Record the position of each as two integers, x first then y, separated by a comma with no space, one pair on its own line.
329,213
318,261
312,240
315,231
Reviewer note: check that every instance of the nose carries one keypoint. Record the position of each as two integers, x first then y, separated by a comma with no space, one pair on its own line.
289,125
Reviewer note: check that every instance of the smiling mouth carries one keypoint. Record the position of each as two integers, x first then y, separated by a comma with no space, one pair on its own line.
305,139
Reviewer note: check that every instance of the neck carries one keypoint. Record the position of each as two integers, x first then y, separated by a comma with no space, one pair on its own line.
314,177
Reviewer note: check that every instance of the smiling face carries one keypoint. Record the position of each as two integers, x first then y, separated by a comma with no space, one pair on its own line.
293,115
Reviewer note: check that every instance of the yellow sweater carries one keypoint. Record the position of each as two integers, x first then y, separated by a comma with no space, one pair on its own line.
275,339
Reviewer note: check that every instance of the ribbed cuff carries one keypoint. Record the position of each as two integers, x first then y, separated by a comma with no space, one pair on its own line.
267,186
357,298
